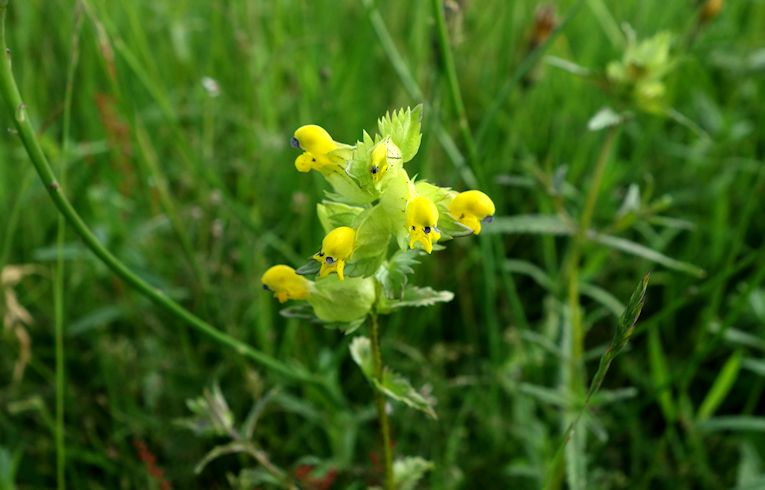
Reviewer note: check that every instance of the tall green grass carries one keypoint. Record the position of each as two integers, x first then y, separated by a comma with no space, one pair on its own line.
196,191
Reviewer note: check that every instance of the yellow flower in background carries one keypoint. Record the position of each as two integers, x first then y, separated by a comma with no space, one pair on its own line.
285,283
318,147
471,208
422,222
336,248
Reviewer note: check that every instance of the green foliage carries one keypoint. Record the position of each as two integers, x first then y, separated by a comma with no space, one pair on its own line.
393,385
409,471
334,214
393,274
213,90
334,300
418,296
403,128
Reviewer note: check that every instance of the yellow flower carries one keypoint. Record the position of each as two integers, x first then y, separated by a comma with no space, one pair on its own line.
336,248
285,283
379,161
318,147
471,208
382,153
421,222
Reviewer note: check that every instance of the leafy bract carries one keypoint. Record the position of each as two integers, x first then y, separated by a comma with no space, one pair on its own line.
417,296
334,300
334,214
393,384
403,127
392,275
407,472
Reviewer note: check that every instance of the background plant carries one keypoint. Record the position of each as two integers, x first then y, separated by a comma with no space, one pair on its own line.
179,122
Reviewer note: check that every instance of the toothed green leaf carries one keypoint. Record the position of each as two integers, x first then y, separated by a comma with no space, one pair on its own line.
393,384
403,127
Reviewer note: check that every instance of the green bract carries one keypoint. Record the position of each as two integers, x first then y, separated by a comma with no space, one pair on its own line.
639,75
334,300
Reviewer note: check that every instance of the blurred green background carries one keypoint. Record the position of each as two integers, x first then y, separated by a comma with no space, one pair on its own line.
179,159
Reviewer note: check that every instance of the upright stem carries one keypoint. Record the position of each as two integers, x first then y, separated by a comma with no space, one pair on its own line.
573,369
382,414
577,341
451,77
17,110
58,295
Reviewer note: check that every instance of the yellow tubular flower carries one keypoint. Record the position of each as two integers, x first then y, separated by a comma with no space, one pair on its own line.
285,283
317,144
379,161
421,222
336,248
471,208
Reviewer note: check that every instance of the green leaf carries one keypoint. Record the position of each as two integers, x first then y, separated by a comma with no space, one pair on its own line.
544,394
8,465
416,296
336,301
407,472
403,127
302,310
634,248
334,214
567,65
348,190
733,422
721,387
392,275
756,366
394,195
372,237
359,166
212,416
361,352
605,298
310,268
657,361
393,384
537,224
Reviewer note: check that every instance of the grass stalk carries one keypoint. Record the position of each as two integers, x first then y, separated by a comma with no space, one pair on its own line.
452,81
573,368
382,414
59,305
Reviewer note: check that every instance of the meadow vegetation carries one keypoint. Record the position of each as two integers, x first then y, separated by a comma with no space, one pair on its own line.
620,141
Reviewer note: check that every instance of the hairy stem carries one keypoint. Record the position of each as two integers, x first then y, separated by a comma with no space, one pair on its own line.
17,110
382,414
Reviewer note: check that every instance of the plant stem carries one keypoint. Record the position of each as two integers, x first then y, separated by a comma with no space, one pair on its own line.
573,369
382,414
577,344
17,110
58,294
451,78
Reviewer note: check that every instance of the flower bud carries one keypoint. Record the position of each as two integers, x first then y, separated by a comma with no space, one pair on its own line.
285,283
471,208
